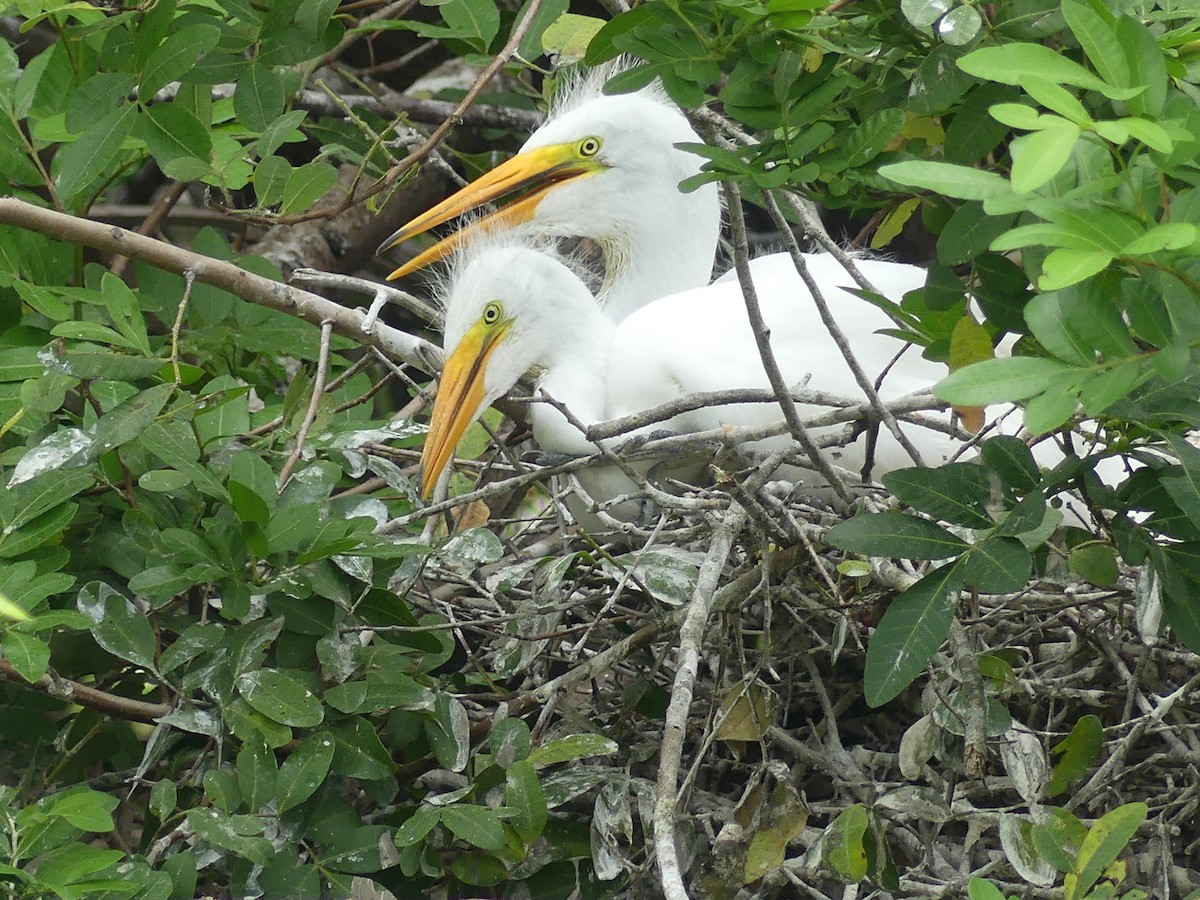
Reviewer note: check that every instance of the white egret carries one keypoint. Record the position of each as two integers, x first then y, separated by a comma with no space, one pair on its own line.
605,168
511,309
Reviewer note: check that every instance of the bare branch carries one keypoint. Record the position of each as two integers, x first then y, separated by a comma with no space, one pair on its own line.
73,692
225,275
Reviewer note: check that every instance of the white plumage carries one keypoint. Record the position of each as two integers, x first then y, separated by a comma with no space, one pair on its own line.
512,309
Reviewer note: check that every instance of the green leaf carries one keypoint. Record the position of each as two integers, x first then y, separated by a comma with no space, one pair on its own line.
1051,409
358,751
955,492
969,232
85,809
163,798
1165,236
173,132
909,633
1099,41
1104,842
29,655
41,493
221,789
973,132
1147,67
73,863
960,26
259,97
476,21
44,528
129,419
222,830
576,746
257,772
895,534
419,824
304,770
1000,380
163,481
449,733
282,698
1039,156
306,185
996,565
120,628
252,488
947,179
509,741
1064,267
1016,62
379,694
1061,101
1078,750
525,799
1058,839
284,130
978,889
843,844
89,158
570,34
476,825
270,178
91,100
1095,562
1049,323
172,59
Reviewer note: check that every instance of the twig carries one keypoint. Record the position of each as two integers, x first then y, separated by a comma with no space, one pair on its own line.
436,136
384,13
158,214
73,692
423,309
975,697
224,275
835,331
189,281
427,112
762,338
314,404
691,636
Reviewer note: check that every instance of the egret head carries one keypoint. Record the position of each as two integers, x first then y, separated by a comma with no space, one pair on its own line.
505,309
591,171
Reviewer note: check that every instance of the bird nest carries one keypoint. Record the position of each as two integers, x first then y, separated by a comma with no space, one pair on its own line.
727,665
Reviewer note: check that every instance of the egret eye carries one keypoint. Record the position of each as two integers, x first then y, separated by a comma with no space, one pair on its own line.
492,313
589,146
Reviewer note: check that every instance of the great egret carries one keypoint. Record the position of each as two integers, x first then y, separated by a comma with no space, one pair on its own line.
511,309
605,168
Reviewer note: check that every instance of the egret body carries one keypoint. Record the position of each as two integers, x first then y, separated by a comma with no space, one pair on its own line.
510,310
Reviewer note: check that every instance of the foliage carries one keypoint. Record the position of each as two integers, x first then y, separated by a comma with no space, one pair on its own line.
226,578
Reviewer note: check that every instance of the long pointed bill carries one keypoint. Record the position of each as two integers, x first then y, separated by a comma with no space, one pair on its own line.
459,396
535,171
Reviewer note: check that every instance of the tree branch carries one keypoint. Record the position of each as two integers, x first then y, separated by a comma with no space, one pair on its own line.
73,692
225,275
691,638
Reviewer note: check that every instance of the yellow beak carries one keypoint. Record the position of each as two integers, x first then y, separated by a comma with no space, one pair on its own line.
459,394
536,172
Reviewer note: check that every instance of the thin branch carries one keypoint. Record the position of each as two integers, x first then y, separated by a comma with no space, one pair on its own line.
691,636
314,404
839,338
73,692
189,281
225,275
741,260
153,221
